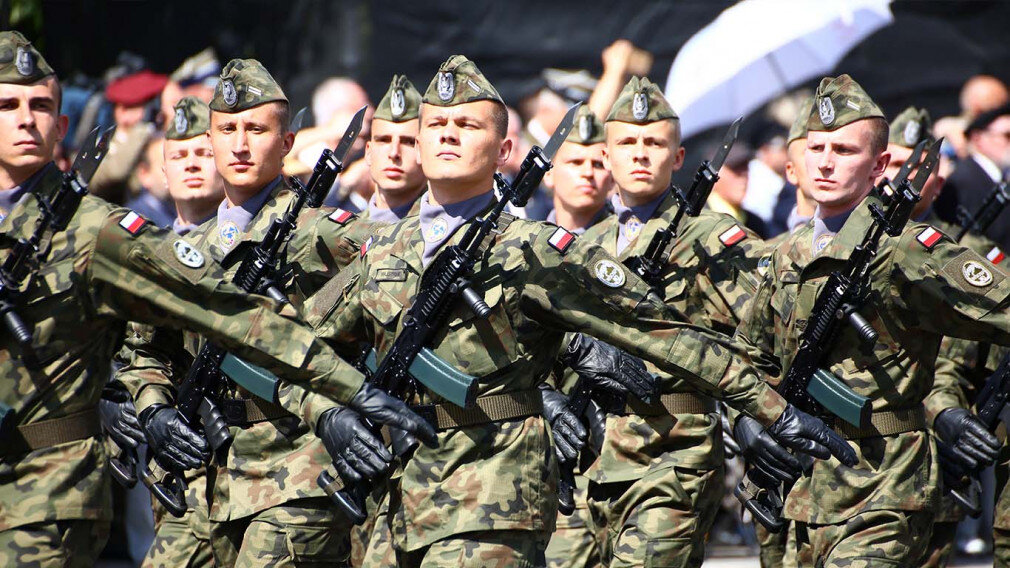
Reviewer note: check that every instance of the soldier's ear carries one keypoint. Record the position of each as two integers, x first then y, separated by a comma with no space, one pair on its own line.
289,141
679,161
606,159
504,151
62,124
791,175
880,165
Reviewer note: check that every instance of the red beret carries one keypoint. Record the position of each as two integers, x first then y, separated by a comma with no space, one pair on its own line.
136,89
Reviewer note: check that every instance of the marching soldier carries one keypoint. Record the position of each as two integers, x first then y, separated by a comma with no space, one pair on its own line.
109,265
922,287
488,492
579,179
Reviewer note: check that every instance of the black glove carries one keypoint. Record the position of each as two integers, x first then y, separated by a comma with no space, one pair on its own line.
175,445
569,433
597,421
763,452
972,447
801,432
608,367
357,453
119,417
377,406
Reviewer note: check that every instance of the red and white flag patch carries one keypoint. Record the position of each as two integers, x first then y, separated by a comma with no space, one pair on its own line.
732,236
364,246
995,256
132,223
929,237
561,240
340,216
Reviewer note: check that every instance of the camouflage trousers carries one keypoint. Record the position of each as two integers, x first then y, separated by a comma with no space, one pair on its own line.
371,541
300,532
868,540
1001,548
659,520
57,544
573,544
773,545
481,549
940,545
182,542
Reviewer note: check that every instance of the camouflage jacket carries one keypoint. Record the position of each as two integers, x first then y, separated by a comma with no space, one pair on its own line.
275,461
539,282
923,286
99,275
708,282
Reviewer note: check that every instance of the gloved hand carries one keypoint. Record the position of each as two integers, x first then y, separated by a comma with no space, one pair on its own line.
119,417
356,452
763,452
377,406
608,367
972,447
596,418
569,433
175,445
801,432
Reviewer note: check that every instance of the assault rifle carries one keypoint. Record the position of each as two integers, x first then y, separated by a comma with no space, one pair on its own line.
208,377
410,365
809,387
29,254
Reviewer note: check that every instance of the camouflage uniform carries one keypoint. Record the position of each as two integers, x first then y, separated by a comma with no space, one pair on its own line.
265,502
108,266
922,287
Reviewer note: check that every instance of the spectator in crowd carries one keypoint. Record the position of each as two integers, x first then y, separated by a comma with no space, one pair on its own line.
133,98
988,137
728,192
153,201
766,172
979,94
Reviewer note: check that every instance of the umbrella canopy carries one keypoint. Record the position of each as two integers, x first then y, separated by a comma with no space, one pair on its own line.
759,49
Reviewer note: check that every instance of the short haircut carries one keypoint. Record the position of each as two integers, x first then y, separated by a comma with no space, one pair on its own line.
878,138
500,116
284,115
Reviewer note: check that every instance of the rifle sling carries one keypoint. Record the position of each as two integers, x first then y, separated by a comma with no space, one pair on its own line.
487,409
672,404
53,432
247,411
885,423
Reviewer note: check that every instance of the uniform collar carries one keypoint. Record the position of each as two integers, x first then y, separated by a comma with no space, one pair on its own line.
264,207
438,223
849,236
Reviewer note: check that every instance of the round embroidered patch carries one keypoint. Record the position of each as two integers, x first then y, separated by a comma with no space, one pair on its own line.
187,254
608,272
437,231
633,228
976,274
228,233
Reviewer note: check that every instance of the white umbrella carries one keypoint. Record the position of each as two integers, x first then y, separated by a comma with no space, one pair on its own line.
758,49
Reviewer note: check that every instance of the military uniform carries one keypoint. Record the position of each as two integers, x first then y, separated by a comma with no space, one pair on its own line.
109,265
264,502
922,287
488,491
656,487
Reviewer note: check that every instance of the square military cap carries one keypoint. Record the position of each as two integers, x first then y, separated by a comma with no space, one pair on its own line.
840,101
20,62
910,127
799,128
401,101
588,129
641,102
459,81
244,84
192,118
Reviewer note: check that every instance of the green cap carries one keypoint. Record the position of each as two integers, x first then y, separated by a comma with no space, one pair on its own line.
459,81
20,62
641,102
840,101
401,101
799,128
192,118
912,126
244,84
588,129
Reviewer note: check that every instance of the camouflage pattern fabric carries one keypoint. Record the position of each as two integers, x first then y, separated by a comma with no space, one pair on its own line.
641,101
502,476
773,546
269,462
100,274
182,542
303,532
374,538
940,545
1001,544
661,519
498,549
244,84
839,101
574,542
459,81
46,545
922,287
868,540
20,62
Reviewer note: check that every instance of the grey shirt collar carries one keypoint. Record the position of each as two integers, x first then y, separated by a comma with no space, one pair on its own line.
10,197
240,216
390,216
826,228
632,219
438,222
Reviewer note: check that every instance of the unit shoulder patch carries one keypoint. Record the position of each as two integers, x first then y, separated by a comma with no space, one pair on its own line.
969,271
929,237
340,216
995,255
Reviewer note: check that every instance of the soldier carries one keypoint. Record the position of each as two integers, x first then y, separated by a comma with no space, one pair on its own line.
922,286
109,265
579,179
673,449
266,495
391,155
488,493
197,188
